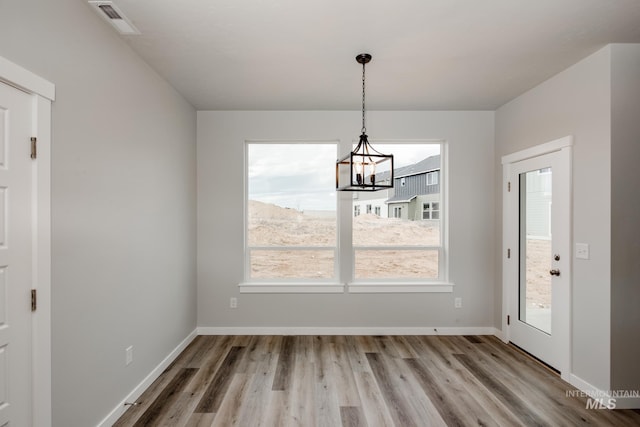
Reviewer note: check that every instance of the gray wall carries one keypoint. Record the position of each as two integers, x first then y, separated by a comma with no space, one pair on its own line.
221,136
625,214
123,204
574,102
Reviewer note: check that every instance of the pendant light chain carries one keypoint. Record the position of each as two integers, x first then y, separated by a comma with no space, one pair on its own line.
364,128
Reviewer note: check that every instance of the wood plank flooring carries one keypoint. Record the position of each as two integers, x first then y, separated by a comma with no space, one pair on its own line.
361,381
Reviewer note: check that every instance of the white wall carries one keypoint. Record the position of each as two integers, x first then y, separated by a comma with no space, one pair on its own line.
575,102
123,204
625,226
221,136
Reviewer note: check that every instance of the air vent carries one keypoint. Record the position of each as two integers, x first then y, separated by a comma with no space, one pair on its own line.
110,11
114,16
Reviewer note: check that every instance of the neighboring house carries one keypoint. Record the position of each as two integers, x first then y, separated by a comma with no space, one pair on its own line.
366,202
416,191
415,194
373,202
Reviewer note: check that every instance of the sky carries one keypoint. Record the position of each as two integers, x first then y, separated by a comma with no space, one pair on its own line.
302,176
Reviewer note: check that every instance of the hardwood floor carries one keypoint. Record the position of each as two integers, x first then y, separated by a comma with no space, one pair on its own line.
359,381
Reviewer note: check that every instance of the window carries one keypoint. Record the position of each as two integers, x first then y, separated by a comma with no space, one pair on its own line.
292,222
432,178
402,182
406,250
426,211
431,210
435,210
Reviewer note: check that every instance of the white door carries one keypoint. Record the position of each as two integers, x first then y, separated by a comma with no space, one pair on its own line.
15,257
538,258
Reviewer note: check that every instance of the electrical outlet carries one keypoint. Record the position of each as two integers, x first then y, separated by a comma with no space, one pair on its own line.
582,250
233,302
458,302
128,355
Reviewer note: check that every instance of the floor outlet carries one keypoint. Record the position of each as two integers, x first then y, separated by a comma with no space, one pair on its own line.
128,355
458,302
233,302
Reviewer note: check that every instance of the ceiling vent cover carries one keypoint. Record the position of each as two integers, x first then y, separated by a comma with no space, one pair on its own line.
114,16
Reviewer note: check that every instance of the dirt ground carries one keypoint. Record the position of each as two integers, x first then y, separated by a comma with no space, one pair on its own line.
538,278
273,226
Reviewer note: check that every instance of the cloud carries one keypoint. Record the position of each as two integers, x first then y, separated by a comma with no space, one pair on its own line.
302,176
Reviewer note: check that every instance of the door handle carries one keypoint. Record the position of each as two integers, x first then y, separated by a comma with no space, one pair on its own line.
554,272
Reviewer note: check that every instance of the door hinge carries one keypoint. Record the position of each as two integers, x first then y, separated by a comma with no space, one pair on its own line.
509,253
34,147
509,186
34,299
508,319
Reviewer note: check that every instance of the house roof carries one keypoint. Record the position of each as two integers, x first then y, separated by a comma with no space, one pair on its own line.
427,165
400,199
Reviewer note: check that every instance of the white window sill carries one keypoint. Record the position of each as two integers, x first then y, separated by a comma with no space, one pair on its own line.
399,287
339,288
291,288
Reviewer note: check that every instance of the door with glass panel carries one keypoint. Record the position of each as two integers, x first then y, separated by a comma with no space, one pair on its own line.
538,255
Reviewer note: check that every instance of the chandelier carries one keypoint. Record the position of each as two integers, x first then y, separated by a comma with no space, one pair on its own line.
365,168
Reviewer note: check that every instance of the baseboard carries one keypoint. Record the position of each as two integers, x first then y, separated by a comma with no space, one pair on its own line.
117,412
628,402
618,399
290,330
498,334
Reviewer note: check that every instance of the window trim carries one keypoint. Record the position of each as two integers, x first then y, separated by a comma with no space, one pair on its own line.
286,285
426,209
434,177
430,210
405,285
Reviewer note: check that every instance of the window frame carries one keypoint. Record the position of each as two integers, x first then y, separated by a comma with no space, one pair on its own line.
410,285
430,210
287,285
344,265
426,209
432,176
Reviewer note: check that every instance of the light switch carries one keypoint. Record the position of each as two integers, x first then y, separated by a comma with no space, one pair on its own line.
582,250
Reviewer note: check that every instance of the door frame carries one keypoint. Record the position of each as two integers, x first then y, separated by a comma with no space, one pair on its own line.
43,94
510,265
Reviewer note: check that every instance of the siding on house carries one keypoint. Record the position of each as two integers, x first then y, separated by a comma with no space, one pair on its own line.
375,199
538,204
415,185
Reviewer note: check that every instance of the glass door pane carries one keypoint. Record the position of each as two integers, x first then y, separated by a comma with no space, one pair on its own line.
535,249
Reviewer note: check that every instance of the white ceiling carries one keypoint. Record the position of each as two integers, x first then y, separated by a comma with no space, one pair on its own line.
427,54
